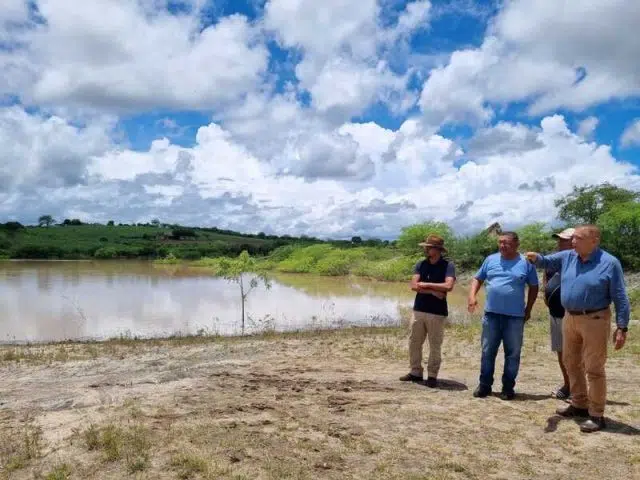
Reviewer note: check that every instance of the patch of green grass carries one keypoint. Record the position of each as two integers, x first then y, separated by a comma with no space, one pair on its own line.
60,472
16,451
131,444
188,465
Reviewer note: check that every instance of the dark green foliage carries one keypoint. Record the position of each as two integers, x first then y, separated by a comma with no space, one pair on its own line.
621,233
587,203
72,241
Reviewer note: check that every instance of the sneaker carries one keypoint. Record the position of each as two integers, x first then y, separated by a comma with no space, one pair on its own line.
593,424
571,411
561,393
409,377
507,395
481,391
431,382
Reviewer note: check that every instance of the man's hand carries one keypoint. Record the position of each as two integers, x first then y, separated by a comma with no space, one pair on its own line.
532,257
619,337
472,304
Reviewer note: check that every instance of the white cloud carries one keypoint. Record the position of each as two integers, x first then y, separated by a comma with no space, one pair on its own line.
631,135
41,150
109,54
409,176
587,127
601,38
13,11
341,67
283,153
543,53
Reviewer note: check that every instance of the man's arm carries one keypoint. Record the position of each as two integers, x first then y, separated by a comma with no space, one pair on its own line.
417,287
448,283
472,302
618,294
476,283
532,281
552,262
545,280
532,295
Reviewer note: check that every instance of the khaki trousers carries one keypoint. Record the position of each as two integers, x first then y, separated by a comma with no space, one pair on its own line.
426,325
584,350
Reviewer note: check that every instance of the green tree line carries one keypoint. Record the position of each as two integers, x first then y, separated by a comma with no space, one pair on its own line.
616,210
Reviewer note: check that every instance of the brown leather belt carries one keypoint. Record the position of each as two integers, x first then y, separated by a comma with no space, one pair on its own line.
585,312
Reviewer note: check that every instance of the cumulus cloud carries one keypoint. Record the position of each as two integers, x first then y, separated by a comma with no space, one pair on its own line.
587,127
341,67
631,135
540,53
46,151
295,142
131,56
410,176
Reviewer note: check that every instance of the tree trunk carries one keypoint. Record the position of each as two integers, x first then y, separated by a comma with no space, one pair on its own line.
242,295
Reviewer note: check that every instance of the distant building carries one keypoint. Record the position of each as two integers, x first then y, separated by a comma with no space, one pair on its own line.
494,229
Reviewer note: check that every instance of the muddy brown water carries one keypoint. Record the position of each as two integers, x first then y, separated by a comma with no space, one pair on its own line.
61,300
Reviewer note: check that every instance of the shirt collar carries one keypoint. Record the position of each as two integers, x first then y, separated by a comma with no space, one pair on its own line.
591,257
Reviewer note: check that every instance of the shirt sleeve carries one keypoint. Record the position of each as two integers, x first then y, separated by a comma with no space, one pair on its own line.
451,270
532,275
618,293
416,268
552,262
481,274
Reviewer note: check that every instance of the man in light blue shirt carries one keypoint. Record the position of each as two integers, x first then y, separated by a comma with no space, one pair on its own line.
591,279
506,275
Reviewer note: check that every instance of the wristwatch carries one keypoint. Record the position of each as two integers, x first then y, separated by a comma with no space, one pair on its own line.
623,329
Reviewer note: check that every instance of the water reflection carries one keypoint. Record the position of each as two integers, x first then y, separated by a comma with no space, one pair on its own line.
43,301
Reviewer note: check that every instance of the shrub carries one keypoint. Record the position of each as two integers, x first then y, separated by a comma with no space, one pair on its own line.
104,253
304,259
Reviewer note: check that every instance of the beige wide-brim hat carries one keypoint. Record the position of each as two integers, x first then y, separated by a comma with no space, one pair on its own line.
566,234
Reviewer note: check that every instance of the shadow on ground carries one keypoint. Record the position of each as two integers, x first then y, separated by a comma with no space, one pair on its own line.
452,385
613,426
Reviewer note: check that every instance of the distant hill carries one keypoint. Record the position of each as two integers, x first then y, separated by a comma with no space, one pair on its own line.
74,240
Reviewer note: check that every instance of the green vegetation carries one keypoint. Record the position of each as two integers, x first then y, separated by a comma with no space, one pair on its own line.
616,210
239,270
74,240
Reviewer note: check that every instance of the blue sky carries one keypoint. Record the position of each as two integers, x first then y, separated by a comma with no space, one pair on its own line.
299,117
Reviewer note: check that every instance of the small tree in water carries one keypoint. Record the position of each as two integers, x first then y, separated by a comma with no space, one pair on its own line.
243,271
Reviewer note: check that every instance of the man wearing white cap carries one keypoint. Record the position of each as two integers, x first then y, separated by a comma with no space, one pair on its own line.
551,284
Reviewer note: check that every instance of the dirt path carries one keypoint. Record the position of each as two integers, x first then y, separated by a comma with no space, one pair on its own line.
324,405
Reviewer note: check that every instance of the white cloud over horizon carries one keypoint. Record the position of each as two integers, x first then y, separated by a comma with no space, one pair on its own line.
290,146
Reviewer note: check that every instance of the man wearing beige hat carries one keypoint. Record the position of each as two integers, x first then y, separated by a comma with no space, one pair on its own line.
432,278
551,288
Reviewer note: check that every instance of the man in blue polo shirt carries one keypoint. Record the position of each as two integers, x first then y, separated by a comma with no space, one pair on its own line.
591,279
506,274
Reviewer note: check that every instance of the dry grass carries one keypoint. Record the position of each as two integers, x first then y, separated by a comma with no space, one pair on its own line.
300,405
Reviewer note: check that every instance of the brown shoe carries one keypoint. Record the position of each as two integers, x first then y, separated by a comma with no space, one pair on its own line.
571,411
593,424
409,377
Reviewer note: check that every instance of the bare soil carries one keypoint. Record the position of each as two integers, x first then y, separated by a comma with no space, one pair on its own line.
312,405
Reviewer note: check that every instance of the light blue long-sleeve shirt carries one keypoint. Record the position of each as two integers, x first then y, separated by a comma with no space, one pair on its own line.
592,284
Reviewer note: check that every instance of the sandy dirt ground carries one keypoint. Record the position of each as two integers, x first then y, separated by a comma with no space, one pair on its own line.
313,405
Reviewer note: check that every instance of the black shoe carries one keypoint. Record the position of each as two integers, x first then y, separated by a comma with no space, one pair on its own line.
571,411
481,391
431,382
410,378
507,395
593,424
